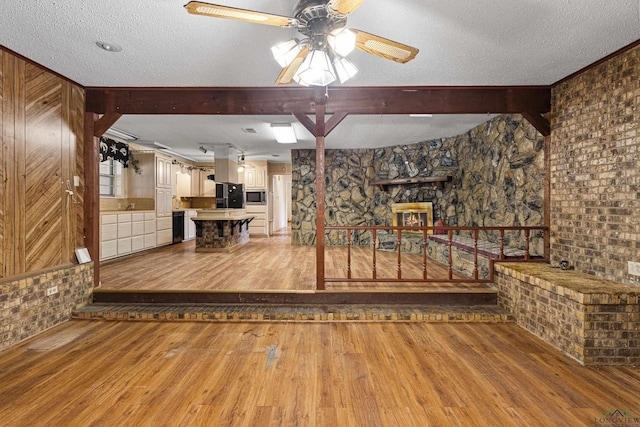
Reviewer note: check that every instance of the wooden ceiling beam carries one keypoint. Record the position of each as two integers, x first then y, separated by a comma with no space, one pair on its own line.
352,100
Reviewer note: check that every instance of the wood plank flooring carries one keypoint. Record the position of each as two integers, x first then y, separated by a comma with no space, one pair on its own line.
302,374
265,263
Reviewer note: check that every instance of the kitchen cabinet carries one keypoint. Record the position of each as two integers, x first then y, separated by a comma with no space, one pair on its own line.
183,184
201,185
164,196
189,225
259,226
123,233
163,171
255,179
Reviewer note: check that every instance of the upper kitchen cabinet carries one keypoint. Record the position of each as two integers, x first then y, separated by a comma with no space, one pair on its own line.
141,178
255,175
163,172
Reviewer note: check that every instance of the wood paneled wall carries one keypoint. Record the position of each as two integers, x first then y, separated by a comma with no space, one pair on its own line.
41,140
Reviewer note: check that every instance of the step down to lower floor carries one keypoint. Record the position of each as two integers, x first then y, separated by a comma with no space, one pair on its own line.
296,313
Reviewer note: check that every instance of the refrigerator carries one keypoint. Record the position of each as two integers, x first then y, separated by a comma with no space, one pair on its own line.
229,196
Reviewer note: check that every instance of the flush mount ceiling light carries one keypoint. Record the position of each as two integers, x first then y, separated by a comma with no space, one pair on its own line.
121,134
317,59
283,132
109,47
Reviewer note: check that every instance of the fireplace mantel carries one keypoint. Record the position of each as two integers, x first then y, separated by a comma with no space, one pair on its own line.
436,180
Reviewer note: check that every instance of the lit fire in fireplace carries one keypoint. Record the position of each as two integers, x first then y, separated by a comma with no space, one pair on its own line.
412,215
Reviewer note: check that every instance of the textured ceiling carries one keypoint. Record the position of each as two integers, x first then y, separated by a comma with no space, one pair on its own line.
484,42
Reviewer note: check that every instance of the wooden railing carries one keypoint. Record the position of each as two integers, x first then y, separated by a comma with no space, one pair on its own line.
477,247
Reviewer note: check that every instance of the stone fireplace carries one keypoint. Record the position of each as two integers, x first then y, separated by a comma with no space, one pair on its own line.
419,214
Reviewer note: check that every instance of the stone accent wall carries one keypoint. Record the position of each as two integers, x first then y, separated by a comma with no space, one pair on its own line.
25,308
497,170
593,320
595,169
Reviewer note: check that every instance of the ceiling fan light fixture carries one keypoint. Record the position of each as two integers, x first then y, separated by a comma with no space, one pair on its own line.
283,132
342,41
284,53
316,70
344,68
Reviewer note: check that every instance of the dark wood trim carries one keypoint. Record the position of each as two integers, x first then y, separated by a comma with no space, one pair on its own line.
92,193
320,130
488,297
547,196
334,121
296,100
306,122
598,62
437,180
540,122
104,123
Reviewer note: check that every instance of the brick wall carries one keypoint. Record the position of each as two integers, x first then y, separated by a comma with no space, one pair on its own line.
25,308
595,169
595,321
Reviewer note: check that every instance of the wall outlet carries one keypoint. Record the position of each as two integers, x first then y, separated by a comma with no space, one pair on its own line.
52,290
634,268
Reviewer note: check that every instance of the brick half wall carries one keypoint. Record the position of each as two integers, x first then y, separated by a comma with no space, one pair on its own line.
26,309
595,321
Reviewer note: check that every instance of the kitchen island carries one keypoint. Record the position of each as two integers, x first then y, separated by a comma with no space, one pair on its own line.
221,230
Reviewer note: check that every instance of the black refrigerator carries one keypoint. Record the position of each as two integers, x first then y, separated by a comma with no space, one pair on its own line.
229,196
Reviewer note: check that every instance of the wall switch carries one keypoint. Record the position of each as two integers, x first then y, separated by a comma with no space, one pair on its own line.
52,290
634,268
76,181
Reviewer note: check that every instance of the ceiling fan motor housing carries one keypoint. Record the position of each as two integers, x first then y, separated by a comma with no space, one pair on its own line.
316,19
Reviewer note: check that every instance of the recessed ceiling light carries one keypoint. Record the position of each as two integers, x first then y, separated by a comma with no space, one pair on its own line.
109,47
420,115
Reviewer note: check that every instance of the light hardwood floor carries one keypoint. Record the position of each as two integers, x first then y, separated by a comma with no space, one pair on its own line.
265,263
302,374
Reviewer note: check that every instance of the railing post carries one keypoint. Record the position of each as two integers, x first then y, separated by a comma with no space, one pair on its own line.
399,254
450,233
424,254
375,240
348,253
526,244
475,254
501,244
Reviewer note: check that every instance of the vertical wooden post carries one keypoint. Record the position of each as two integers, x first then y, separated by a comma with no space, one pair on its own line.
92,193
320,131
547,196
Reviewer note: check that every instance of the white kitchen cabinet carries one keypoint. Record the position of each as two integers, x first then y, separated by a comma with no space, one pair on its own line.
259,226
255,179
189,225
150,230
163,172
108,236
124,233
183,184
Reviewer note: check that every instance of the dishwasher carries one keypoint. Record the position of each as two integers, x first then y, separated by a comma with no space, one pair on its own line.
178,226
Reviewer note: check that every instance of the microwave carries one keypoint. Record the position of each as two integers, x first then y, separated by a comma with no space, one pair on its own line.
256,197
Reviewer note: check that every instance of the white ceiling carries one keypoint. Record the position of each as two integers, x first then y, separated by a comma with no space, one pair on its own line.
461,42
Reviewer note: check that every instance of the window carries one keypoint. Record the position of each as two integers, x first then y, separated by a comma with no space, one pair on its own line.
110,178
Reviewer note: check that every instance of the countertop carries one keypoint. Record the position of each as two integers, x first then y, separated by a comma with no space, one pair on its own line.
121,211
222,214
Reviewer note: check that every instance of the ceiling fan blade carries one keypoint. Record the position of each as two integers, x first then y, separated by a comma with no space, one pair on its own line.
384,48
287,73
344,7
217,11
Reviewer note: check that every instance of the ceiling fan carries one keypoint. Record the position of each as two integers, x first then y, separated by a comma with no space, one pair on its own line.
320,58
